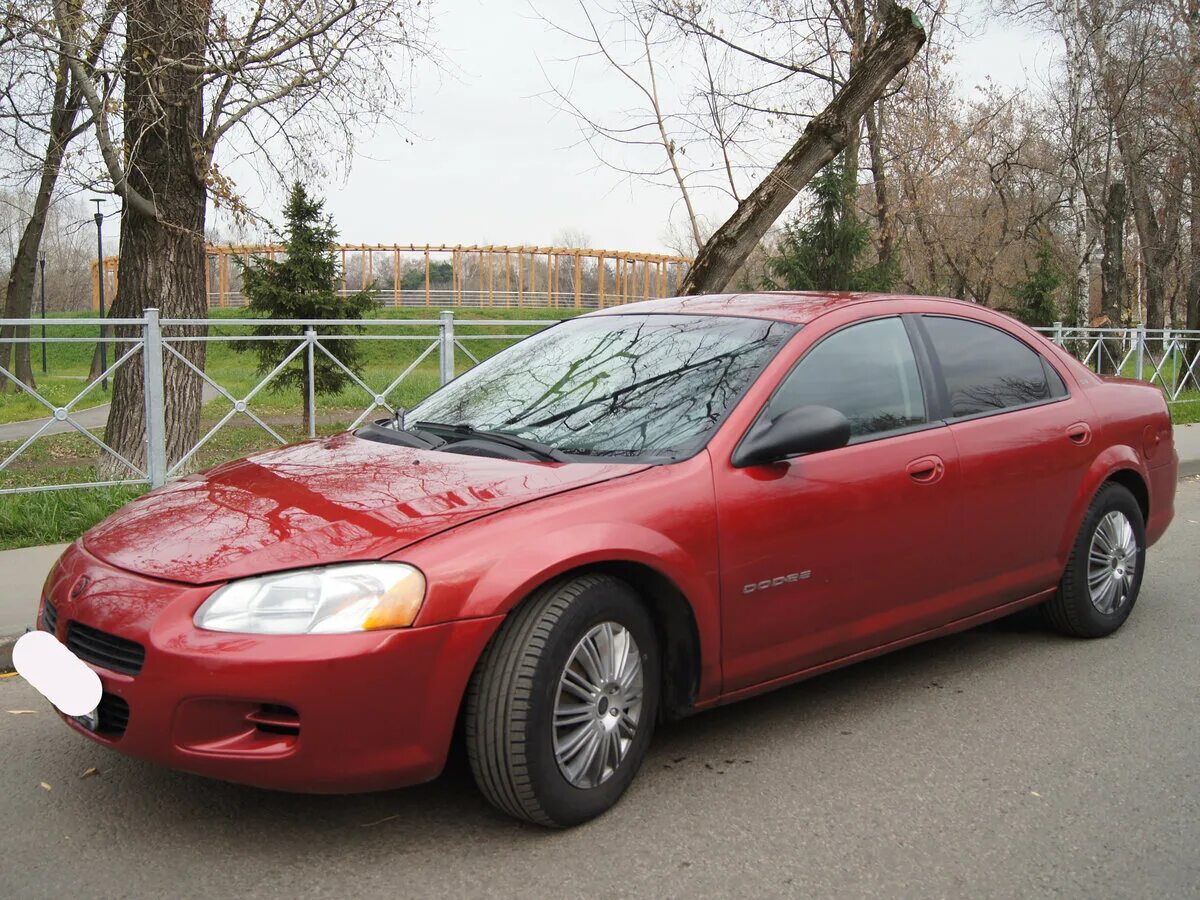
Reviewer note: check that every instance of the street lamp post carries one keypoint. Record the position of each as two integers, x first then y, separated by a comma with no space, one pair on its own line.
99,217
43,262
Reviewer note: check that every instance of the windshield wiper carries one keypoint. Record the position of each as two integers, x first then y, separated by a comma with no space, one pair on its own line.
537,448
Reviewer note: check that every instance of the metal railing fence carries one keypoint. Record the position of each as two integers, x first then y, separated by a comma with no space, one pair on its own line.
1168,357
441,344
428,352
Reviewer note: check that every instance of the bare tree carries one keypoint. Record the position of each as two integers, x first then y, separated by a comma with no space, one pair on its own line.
627,40
40,116
828,133
191,74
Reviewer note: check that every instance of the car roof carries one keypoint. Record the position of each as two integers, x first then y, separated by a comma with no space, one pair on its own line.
796,307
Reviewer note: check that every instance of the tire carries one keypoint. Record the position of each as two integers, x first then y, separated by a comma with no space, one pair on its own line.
515,694
1072,610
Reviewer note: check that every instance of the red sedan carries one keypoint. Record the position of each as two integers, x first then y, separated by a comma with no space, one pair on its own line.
626,518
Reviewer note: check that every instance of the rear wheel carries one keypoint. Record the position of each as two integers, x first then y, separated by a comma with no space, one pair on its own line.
562,705
1104,574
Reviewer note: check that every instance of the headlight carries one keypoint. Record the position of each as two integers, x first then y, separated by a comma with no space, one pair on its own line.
328,600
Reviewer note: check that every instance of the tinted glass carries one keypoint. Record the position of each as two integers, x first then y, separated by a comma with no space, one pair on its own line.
867,372
985,369
1057,387
618,385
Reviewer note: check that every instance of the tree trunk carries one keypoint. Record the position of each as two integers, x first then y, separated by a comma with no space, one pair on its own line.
822,139
1157,236
1193,296
1112,271
886,246
1193,291
161,261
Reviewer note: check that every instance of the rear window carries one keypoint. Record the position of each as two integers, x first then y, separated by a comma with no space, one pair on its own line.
985,369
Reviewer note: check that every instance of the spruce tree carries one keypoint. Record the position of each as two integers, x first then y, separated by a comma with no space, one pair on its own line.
824,250
304,285
1036,305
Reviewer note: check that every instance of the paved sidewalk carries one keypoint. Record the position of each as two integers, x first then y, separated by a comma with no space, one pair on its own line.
22,573
92,417
1187,445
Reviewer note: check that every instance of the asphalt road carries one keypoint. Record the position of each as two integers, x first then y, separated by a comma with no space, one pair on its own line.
1001,762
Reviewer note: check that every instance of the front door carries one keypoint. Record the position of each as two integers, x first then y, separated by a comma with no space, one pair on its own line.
832,553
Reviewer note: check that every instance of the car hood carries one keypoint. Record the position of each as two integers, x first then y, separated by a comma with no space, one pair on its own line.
335,500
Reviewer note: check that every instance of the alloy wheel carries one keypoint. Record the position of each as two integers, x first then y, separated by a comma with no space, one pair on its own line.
1112,562
598,705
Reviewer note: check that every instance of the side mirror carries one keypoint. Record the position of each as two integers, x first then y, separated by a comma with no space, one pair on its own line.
805,429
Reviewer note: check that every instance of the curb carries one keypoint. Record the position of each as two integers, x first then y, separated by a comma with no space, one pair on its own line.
6,647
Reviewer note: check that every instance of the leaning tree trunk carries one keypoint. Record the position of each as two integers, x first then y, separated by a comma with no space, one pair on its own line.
822,139
161,261
1112,271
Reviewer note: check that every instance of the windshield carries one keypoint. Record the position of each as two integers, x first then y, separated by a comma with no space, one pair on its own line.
622,385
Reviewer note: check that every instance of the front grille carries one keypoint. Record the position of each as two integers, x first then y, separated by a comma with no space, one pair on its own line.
113,715
49,618
105,650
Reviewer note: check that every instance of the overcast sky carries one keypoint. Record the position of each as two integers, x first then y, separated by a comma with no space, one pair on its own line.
490,161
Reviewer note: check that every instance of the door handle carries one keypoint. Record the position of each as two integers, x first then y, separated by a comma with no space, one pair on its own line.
1080,433
927,469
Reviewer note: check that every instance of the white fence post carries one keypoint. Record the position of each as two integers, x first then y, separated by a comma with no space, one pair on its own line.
1058,333
1139,335
310,338
153,392
446,355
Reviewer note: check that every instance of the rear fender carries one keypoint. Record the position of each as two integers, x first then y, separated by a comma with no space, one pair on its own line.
1113,459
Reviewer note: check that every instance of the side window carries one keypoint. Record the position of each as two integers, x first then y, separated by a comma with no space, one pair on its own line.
1058,387
984,368
867,372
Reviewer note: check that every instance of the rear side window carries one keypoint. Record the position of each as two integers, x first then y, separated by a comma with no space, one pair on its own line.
867,372
985,369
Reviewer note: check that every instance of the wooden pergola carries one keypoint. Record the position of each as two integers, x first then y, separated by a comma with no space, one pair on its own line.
445,275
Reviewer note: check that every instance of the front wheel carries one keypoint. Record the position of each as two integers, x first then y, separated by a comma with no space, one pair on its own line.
1104,574
562,705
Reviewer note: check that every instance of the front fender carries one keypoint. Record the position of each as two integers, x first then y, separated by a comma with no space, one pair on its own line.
503,586
1113,459
661,519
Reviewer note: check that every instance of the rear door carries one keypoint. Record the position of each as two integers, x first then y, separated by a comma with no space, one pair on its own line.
836,552
1024,444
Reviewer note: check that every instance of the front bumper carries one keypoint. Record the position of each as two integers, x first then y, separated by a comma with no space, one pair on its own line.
311,713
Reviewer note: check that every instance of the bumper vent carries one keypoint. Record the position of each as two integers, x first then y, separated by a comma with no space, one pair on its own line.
105,650
113,715
272,718
49,618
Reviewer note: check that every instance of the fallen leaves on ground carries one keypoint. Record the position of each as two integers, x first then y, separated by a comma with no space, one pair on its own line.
379,821
21,712
89,772
44,786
